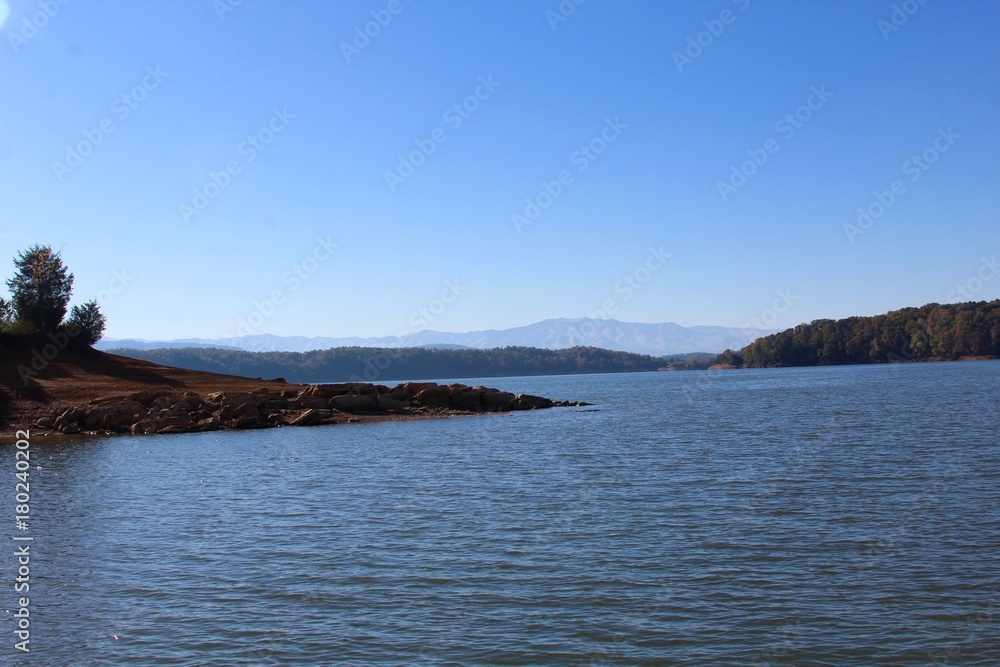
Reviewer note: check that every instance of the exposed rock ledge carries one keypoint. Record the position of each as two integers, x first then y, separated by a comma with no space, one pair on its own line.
164,410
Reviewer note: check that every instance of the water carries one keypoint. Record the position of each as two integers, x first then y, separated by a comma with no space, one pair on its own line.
832,516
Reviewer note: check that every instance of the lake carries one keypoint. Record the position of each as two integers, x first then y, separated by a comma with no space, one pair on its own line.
815,516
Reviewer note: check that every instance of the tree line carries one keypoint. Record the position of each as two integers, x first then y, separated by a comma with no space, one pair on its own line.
372,364
931,332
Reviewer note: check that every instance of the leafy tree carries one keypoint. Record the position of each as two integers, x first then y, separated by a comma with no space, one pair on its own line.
40,288
87,322
6,314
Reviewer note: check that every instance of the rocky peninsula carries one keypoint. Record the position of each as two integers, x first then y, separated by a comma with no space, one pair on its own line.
87,391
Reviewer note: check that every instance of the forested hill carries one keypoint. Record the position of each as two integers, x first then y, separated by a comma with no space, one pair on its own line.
373,364
932,332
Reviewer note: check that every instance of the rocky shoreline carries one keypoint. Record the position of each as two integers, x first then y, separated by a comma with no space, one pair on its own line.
164,410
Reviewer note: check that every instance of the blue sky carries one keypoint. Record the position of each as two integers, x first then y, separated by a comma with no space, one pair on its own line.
206,172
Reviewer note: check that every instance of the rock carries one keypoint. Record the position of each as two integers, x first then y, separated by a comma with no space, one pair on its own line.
390,404
70,429
95,417
529,402
363,403
245,422
437,396
46,422
276,419
414,388
175,420
147,396
238,400
238,411
467,399
128,410
111,422
398,393
211,424
215,397
328,390
146,427
310,403
72,414
498,401
311,418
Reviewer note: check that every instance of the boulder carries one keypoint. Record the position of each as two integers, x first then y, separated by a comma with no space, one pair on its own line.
498,401
95,417
529,402
238,400
147,396
414,388
241,411
210,424
111,422
276,419
437,396
356,403
328,390
310,403
311,418
145,427
245,422
46,422
467,399
70,429
130,409
389,404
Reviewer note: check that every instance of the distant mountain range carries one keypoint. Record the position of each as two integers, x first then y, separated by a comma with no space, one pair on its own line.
655,339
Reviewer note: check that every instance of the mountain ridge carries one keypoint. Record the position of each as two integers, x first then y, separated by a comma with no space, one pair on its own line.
658,339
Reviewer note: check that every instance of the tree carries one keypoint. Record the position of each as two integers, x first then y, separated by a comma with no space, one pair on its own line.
6,314
86,323
40,289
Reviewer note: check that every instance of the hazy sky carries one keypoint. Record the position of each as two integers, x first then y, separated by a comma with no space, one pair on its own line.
200,163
